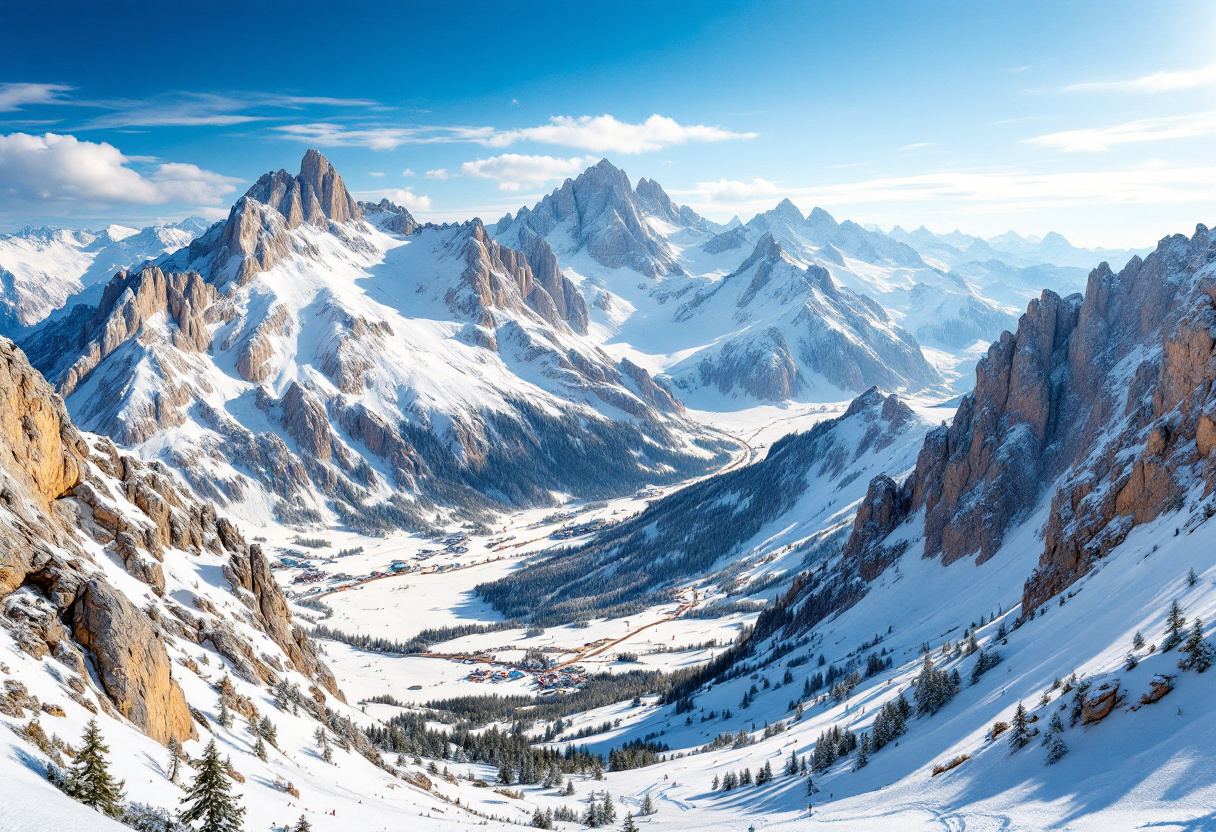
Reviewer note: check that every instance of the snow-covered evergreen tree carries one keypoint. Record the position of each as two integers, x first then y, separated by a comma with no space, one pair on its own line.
89,779
209,798
1055,740
1198,653
1019,734
1175,623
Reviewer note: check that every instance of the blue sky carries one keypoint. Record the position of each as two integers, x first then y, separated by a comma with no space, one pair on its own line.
1097,120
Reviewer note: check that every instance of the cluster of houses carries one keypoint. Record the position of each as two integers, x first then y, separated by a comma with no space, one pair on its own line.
578,531
567,680
485,674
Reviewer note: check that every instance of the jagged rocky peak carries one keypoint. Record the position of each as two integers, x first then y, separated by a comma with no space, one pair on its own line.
316,196
256,234
603,215
516,278
1111,398
389,216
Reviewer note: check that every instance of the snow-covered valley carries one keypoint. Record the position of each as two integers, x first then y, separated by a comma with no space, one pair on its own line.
607,509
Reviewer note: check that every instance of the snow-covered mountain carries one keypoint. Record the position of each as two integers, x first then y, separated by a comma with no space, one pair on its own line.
42,268
640,261
784,330
957,248
300,361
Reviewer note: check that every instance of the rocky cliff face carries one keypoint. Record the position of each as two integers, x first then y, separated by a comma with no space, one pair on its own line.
1102,404
70,499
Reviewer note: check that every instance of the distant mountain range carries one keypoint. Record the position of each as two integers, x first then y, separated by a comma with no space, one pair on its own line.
313,357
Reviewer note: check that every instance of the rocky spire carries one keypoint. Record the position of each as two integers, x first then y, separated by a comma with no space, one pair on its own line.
316,196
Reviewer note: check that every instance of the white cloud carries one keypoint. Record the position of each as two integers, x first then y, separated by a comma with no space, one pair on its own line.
1156,82
605,134
405,197
730,190
513,171
1150,184
598,134
59,168
1134,132
438,173
408,172
15,96
376,173
917,146
188,109
329,134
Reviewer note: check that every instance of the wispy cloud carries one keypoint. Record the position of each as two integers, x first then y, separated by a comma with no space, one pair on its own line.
331,134
607,134
514,172
598,134
1147,185
59,168
917,146
1163,81
1093,139
189,109
15,96
438,173
732,190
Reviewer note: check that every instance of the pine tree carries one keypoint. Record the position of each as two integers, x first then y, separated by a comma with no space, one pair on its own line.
1055,740
1199,654
791,766
609,809
863,751
225,717
768,772
1019,735
209,799
1191,577
259,748
570,788
175,760
89,780
629,825
1175,623
714,786
648,803
302,825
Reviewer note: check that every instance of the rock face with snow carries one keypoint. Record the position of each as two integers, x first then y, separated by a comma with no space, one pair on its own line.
599,212
73,502
42,268
1106,398
302,360
795,328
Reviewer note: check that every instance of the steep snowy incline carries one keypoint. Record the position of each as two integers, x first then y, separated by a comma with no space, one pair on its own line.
42,268
301,361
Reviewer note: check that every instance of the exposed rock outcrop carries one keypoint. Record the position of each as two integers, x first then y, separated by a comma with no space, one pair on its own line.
1110,397
56,480
131,662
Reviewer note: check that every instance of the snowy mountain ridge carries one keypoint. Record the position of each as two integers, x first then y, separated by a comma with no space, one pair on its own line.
41,269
